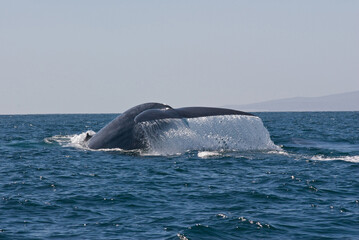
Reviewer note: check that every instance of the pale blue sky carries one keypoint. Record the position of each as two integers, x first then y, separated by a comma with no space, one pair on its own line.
106,56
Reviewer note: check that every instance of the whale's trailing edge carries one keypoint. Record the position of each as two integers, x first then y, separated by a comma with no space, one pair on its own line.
123,132
188,112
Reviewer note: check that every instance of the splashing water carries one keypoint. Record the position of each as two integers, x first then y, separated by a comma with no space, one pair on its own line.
214,133
75,140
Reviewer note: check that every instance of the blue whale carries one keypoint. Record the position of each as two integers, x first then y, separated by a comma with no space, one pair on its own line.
124,131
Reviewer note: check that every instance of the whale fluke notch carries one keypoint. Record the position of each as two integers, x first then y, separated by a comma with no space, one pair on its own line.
122,132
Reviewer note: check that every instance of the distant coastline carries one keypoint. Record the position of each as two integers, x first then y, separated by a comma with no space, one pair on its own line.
348,101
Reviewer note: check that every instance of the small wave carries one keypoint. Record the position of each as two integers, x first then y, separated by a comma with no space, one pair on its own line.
353,159
336,145
181,236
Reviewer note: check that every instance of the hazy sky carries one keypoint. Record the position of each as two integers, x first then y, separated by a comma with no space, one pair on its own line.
106,56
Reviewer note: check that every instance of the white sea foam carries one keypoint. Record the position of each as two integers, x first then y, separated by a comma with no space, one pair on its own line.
353,159
79,140
208,154
74,140
206,134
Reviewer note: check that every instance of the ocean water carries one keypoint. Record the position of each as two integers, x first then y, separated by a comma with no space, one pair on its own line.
289,176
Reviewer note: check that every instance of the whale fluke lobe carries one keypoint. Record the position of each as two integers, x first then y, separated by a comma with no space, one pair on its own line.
127,130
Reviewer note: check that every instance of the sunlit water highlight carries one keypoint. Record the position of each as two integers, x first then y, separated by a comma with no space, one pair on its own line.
301,181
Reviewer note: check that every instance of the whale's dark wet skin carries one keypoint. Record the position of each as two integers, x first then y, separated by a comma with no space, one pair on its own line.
124,131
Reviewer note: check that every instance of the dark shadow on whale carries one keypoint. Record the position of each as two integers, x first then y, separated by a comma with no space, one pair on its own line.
124,131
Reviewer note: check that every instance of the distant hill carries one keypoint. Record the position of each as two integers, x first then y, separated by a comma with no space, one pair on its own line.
336,102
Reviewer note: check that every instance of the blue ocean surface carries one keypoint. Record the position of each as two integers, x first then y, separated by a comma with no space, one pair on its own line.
301,183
